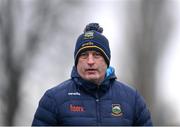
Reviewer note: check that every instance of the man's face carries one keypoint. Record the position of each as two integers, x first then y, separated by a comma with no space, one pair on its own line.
92,66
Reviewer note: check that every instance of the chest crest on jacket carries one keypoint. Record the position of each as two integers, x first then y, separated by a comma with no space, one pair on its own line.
116,110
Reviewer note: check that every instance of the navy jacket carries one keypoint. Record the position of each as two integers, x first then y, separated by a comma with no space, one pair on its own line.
79,102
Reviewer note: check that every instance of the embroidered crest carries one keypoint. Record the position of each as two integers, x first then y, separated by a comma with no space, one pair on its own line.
88,35
116,110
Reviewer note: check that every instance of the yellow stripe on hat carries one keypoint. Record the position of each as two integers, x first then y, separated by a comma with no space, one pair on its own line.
91,47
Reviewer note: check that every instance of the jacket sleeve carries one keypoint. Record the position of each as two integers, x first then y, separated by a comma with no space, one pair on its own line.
46,113
142,114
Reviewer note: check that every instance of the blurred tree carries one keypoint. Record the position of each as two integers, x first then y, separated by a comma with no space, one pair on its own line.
26,27
12,69
14,64
149,27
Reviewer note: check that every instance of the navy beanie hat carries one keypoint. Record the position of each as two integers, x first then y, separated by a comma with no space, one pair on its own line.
92,39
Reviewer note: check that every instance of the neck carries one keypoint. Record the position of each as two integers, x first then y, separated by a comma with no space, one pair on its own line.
97,82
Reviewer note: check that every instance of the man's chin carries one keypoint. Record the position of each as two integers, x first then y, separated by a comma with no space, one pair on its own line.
92,79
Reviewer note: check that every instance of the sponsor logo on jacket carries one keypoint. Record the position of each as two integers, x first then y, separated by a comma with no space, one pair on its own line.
74,94
76,108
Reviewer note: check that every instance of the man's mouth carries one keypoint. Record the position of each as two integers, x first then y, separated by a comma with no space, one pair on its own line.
91,70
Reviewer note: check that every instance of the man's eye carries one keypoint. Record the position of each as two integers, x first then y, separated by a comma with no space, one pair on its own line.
97,54
83,55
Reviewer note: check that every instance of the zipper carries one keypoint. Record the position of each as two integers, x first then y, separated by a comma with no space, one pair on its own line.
98,115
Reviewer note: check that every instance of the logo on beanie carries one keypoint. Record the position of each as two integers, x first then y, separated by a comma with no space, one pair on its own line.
88,35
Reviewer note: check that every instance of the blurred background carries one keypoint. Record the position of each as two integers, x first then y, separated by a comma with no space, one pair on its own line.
37,39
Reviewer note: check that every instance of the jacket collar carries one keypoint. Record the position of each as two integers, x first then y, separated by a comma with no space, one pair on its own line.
91,87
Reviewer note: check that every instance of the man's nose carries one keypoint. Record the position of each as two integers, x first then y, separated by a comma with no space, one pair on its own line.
90,59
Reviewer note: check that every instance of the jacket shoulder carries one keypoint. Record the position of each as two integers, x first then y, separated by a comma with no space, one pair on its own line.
47,108
136,100
61,87
124,88
61,90
133,97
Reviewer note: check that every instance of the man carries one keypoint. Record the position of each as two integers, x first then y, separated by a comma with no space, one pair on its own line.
92,96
